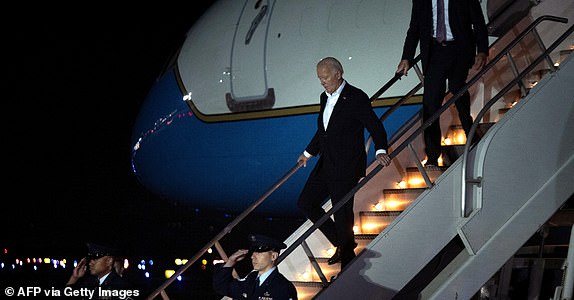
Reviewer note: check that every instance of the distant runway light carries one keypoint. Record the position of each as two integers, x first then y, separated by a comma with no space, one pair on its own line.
169,273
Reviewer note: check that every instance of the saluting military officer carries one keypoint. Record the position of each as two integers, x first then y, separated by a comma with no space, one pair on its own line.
264,282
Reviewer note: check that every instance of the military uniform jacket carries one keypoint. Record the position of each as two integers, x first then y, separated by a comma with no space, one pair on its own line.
275,287
112,282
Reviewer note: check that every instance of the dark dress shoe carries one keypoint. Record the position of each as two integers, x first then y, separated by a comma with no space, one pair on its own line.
337,256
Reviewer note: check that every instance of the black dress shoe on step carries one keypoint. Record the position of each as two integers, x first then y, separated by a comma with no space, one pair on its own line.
337,256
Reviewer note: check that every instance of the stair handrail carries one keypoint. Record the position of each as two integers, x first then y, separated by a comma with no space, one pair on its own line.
225,230
408,141
488,105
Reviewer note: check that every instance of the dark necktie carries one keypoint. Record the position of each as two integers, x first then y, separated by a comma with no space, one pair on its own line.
440,22
256,285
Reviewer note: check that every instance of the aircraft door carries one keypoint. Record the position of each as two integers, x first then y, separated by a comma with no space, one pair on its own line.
249,90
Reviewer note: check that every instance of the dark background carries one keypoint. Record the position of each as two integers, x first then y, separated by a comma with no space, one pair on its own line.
74,79
75,83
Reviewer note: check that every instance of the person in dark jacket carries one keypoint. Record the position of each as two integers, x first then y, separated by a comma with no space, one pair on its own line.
453,37
264,282
95,277
339,141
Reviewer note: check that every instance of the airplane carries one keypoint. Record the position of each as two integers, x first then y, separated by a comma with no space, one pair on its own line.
238,103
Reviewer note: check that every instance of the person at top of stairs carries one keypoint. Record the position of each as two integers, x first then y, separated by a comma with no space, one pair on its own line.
339,141
448,47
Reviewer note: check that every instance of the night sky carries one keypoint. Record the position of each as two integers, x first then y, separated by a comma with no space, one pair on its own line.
75,82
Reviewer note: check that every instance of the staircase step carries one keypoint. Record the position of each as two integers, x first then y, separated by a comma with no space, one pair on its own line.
374,222
453,144
306,290
403,194
414,178
363,240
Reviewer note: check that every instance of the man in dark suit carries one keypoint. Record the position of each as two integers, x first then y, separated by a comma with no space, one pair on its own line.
448,49
264,282
339,140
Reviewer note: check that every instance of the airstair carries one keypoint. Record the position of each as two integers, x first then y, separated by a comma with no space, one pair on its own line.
464,228
446,232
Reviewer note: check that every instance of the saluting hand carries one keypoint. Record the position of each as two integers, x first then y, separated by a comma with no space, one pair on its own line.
239,255
78,272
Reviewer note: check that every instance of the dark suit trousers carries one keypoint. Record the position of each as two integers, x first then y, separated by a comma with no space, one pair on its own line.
446,63
315,193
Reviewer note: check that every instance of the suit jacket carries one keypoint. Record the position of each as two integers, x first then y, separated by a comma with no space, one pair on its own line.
342,146
466,23
275,287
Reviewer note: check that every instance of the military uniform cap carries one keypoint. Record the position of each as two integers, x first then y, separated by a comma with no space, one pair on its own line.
261,243
96,251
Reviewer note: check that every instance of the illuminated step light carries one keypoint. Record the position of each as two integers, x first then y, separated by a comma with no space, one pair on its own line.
391,205
402,184
455,136
376,222
306,276
329,252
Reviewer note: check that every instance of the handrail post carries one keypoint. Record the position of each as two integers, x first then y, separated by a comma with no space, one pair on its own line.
514,69
422,170
543,47
314,263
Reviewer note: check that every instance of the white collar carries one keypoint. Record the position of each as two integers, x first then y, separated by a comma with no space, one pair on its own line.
264,276
337,91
